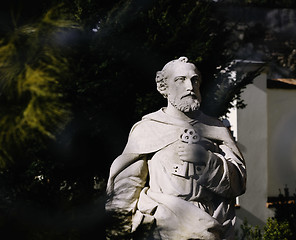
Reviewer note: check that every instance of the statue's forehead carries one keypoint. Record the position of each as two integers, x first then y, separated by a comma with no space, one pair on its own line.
181,69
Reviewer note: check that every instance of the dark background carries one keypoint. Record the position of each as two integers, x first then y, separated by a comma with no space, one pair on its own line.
76,75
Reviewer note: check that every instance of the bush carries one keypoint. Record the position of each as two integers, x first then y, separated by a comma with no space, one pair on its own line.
273,230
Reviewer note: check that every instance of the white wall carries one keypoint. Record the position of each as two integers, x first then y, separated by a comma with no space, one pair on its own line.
252,136
266,135
282,140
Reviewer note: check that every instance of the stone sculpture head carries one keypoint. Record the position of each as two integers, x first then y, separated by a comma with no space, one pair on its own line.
179,82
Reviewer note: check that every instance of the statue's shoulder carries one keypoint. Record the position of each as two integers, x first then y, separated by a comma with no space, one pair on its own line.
154,125
154,121
159,116
151,134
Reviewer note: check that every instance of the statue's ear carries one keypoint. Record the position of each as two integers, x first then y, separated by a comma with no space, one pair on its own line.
162,86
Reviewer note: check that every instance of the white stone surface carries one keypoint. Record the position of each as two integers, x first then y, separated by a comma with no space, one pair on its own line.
197,202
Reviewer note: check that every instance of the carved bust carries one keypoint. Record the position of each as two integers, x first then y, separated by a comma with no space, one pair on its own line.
180,171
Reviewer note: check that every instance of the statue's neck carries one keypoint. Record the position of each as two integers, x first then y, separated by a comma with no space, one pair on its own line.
186,116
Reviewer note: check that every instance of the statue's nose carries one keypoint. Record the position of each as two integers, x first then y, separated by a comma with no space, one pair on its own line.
188,85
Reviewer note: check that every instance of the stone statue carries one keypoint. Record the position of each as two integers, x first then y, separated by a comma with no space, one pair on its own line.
180,171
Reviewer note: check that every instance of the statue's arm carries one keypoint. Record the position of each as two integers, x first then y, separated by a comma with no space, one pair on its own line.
225,173
123,191
121,163
127,178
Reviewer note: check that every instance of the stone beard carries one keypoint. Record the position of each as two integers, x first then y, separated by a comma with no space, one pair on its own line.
185,104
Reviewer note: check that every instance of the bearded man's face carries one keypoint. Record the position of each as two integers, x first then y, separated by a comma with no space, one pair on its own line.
183,82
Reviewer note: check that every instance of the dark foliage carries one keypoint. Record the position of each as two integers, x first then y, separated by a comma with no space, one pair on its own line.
98,61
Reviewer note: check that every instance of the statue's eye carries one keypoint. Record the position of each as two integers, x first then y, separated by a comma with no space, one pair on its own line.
195,79
180,79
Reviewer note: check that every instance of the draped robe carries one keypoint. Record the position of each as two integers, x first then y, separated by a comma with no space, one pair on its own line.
199,207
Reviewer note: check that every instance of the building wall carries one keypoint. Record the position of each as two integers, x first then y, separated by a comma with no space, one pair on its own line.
282,140
252,137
